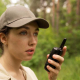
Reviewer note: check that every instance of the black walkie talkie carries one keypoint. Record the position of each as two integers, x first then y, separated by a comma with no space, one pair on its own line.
55,50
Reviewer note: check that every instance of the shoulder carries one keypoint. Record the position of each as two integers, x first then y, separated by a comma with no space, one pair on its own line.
30,72
3,73
27,69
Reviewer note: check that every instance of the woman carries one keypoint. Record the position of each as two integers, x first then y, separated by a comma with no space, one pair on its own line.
19,29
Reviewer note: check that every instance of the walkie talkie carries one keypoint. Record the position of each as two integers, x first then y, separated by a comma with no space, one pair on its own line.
55,50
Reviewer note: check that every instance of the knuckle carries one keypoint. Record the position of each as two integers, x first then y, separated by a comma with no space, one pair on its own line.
56,72
58,65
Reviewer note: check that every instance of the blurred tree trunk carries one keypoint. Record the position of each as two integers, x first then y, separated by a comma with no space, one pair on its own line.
33,9
33,5
78,12
53,10
44,13
44,9
57,17
69,10
68,7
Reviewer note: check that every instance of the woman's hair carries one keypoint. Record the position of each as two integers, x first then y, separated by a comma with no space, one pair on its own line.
4,30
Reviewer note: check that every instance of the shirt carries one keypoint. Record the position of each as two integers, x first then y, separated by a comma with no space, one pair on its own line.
27,73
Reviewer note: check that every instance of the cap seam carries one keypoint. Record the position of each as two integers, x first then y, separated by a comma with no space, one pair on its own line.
17,20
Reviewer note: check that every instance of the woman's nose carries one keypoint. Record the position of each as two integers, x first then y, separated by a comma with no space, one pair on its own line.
32,41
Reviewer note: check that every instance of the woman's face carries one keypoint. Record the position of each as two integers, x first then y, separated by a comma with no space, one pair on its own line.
22,41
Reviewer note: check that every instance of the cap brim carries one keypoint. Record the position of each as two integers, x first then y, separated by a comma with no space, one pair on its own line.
17,23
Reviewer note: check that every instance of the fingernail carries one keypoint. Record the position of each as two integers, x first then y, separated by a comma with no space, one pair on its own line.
65,46
54,55
49,60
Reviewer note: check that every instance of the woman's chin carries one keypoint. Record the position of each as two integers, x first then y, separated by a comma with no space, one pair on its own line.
27,59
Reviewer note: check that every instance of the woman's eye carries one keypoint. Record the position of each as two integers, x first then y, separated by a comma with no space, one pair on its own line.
35,34
23,33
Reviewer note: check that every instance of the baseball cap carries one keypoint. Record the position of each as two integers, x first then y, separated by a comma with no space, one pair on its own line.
17,16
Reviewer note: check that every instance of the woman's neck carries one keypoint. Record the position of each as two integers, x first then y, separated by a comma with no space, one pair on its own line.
10,63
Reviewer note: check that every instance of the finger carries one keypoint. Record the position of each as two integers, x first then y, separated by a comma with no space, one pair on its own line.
64,51
55,71
59,58
47,55
56,64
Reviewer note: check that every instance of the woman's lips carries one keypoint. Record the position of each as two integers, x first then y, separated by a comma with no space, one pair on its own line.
30,51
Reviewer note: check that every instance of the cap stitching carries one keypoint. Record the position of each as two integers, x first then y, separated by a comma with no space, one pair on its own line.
17,20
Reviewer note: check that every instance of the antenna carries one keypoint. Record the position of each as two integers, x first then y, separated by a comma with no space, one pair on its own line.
63,43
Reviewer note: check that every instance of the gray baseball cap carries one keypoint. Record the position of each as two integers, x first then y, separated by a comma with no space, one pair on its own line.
17,16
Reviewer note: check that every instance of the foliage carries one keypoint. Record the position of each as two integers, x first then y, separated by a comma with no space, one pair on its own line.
2,7
73,39
70,69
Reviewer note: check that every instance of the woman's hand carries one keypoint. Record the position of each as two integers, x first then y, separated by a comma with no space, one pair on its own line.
54,72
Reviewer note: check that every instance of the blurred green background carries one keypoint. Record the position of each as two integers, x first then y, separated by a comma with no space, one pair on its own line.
64,19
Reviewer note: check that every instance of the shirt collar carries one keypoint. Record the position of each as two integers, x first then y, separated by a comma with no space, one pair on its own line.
4,75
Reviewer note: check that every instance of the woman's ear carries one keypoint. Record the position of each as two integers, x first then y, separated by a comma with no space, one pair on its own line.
3,38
